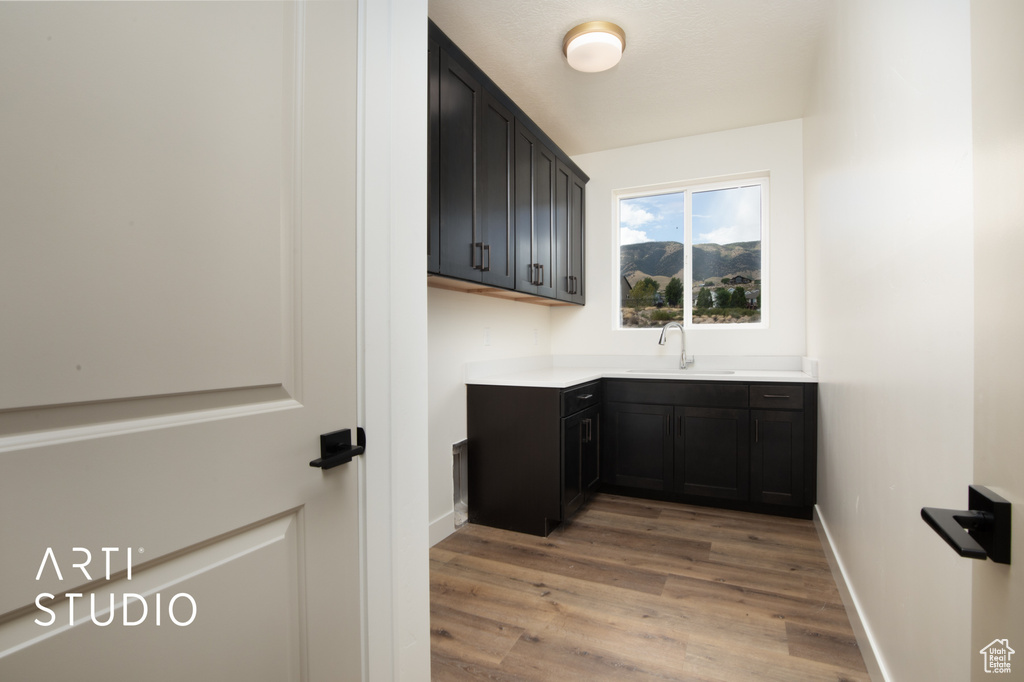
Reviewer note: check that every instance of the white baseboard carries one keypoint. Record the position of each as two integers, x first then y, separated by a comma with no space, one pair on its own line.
442,527
865,640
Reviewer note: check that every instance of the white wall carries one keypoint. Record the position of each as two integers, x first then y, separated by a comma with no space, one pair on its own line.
777,148
465,328
887,143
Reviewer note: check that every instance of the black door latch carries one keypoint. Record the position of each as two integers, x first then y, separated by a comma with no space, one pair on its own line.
336,448
982,531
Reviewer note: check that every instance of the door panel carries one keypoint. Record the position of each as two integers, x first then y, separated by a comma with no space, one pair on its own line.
256,570
178,284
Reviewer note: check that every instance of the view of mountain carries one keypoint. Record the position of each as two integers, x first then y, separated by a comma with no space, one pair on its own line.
710,261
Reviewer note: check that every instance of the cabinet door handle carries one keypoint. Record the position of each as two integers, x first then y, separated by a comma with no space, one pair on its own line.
487,250
540,280
757,430
472,252
679,426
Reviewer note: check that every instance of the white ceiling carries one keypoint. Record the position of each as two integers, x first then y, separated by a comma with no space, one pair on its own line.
690,66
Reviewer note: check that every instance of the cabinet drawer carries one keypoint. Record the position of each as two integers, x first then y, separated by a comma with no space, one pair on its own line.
698,394
580,397
777,396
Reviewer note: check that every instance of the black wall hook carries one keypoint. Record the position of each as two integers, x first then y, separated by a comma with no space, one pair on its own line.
979,532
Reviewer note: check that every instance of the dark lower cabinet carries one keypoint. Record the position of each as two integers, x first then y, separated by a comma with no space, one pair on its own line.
537,454
777,457
580,451
712,452
638,439
701,443
532,453
591,451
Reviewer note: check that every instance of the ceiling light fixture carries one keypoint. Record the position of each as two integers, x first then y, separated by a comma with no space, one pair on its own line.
594,46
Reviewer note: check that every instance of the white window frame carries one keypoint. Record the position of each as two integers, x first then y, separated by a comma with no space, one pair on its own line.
688,188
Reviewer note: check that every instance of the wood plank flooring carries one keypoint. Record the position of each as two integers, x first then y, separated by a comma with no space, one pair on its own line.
640,590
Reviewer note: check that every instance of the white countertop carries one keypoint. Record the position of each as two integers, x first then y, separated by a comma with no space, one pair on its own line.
563,372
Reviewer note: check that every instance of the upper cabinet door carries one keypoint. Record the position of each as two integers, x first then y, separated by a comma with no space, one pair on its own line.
569,209
434,160
494,194
577,209
459,99
534,207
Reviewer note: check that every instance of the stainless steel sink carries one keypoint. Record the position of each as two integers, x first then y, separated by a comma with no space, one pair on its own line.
688,372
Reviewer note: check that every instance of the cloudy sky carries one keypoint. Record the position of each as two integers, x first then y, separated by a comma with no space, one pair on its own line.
720,216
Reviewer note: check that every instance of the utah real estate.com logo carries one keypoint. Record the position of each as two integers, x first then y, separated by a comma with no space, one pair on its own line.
96,611
997,655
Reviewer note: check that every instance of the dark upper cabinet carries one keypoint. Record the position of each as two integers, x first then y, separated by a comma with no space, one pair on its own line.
459,99
494,225
433,143
494,198
570,206
534,207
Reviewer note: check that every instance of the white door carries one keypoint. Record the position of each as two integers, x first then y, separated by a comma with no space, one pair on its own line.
997,56
177,306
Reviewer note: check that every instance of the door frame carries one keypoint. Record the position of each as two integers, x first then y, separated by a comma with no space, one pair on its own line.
392,332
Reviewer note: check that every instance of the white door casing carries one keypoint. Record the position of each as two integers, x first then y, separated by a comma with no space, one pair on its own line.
997,57
177,286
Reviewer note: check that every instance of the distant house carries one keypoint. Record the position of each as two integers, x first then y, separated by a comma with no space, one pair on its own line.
739,279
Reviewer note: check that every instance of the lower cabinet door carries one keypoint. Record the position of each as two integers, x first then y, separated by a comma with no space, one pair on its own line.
574,434
638,446
592,450
712,452
777,457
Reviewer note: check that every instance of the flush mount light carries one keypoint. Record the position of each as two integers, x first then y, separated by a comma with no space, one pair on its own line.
594,46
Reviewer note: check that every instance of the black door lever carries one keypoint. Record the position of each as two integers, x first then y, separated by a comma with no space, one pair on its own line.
982,531
336,448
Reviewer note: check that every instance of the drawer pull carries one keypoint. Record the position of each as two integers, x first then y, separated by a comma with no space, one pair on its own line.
586,397
771,395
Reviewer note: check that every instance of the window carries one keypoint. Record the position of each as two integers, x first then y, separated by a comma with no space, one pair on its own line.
694,254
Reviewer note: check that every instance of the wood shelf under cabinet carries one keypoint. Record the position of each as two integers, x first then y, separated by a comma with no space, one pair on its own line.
439,282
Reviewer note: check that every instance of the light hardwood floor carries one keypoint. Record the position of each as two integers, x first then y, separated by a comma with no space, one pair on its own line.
640,590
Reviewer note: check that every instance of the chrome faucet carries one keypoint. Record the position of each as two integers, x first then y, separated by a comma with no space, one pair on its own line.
682,341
